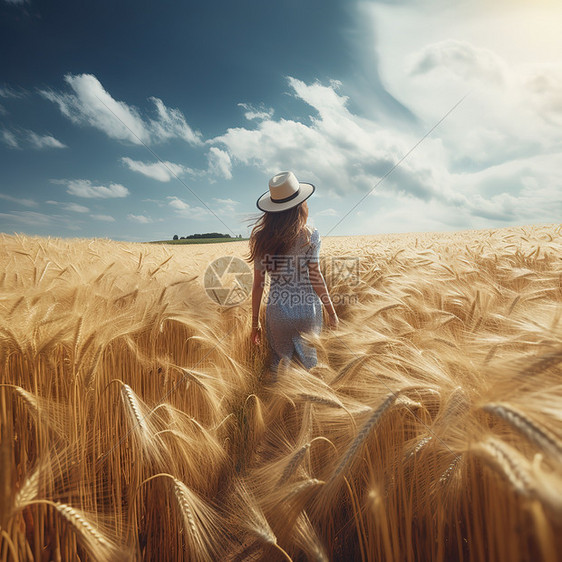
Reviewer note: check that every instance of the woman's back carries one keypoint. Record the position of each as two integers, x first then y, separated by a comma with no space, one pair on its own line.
290,270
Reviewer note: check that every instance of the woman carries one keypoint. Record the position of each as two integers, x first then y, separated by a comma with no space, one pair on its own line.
282,244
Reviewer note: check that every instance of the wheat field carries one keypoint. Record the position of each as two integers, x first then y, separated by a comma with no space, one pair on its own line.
138,423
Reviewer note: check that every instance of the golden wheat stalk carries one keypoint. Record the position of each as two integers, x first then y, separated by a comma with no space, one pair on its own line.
421,444
305,536
200,522
485,292
246,514
506,461
450,470
98,545
294,462
531,430
369,425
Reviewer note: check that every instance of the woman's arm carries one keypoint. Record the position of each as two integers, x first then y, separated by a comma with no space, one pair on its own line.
319,286
257,292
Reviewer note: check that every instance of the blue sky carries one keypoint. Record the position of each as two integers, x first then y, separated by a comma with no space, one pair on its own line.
141,120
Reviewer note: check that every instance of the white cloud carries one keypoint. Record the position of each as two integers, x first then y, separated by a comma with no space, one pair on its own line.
74,207
325,99
7,92
155,202
228,201
172,124
496,55
219,163
225,206
34,221
460,58
221,206
85,188
44,141
105,218
28,218
177,203
29,138
90,104
544,88
257,113
142,219
186,211
525,190
194,213
327,213
346,154
160,171
24,202
337,151
9,139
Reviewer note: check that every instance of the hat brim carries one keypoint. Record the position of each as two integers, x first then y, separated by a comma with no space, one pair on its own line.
264,203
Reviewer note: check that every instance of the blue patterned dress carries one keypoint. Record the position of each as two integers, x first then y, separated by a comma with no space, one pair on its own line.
292,305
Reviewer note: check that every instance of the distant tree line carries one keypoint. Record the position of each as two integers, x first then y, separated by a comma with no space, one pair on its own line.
206,235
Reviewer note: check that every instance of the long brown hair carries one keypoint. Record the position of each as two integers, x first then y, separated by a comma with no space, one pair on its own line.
274,233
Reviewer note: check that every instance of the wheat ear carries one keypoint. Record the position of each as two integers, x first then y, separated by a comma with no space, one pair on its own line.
293,464
450,470
365,430
332,402
98,546
131,400
78,521
508,462
419,446
536,434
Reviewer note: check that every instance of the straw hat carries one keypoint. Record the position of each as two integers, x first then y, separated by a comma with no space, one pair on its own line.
285,192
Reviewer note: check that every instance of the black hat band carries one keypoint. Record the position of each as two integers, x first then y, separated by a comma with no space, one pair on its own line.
285,199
